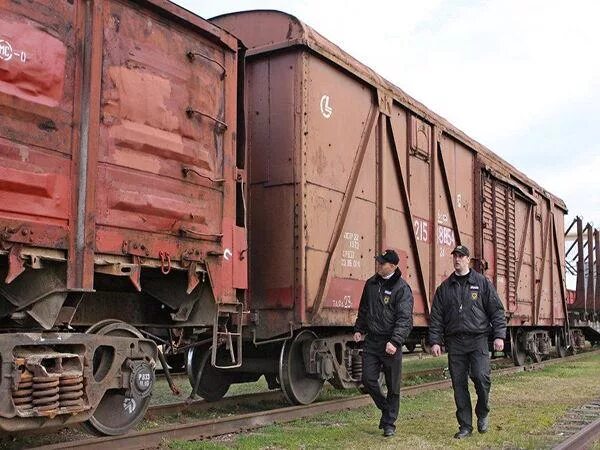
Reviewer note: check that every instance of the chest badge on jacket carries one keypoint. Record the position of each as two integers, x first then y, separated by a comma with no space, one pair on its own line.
387,297
474,292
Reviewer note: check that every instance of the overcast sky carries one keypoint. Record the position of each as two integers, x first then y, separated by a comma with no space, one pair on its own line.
521,77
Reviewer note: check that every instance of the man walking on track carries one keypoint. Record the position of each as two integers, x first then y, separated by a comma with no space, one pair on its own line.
384,320
465,310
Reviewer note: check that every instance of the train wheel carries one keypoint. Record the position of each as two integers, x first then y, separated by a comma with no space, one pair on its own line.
176,361
297,386
410,347
214,383
517,349
561,344
118,411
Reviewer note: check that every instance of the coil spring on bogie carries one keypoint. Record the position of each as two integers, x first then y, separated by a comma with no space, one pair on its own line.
22,396
348,363
357,367
354,365
48,393
45,393
71,391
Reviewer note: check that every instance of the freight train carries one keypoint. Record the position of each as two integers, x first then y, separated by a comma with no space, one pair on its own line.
212,194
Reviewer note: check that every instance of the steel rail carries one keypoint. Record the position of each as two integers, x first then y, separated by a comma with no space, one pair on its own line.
214,427
582,439
201,405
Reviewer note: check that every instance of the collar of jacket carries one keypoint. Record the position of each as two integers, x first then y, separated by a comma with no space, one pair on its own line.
390,281
472,278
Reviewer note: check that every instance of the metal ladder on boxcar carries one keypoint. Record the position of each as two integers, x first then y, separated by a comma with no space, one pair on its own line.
232,338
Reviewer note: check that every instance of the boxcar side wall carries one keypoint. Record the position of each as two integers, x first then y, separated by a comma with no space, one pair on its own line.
117,157
373,173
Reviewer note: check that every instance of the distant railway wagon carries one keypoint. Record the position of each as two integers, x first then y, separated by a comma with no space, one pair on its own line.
213,194
119,191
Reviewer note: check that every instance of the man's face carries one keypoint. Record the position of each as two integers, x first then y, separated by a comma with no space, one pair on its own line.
461,262
386,268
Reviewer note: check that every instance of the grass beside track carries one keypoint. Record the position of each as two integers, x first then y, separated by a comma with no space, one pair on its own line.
525,407
162,394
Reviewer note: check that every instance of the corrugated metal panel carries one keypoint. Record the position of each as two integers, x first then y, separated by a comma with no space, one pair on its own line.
499,235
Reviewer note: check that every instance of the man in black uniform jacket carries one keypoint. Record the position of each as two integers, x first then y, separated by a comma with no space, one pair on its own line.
385,317
465,310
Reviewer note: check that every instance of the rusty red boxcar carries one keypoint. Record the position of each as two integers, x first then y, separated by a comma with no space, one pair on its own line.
139,145
121,175
343,164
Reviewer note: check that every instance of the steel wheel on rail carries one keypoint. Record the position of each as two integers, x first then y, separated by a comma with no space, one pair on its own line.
561,344
517,347
118,411
410,347
297,386
176,361
214,383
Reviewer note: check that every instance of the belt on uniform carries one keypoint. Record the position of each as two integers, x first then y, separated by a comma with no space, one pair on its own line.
466,335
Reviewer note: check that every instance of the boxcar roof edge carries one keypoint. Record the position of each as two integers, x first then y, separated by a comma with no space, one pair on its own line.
303,35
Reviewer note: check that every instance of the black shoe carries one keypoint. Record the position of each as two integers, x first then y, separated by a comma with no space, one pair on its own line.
462,433
388,431
483,424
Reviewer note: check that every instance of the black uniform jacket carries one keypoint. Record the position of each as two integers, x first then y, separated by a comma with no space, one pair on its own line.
472,309
385,311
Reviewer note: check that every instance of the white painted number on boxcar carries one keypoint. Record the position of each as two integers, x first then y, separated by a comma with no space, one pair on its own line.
445,239
346,302
421,229
326,108
350,255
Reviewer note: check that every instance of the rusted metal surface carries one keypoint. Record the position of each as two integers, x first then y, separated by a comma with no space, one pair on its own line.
119,176
343,164
49,378
280,31
119,140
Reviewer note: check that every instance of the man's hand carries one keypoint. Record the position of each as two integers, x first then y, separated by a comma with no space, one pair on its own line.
498,345
390,348
436,350
358,337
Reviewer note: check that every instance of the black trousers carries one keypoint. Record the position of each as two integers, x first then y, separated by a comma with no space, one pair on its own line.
468,356
391,366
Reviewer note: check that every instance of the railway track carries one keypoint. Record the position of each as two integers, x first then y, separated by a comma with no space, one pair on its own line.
214,427
582,426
